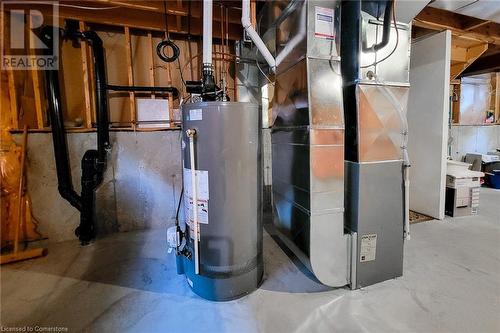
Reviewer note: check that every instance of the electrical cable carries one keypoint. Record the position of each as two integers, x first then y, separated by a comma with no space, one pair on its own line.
160,48
179,207
180,72
51,3
397,39
260,69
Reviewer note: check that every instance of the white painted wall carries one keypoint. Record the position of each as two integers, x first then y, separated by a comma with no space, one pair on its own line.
473,139
428,123
140,190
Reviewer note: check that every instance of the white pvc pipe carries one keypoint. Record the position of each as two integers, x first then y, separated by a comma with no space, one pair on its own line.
207,31
194,190
254,36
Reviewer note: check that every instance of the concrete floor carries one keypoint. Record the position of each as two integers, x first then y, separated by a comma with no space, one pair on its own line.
126,282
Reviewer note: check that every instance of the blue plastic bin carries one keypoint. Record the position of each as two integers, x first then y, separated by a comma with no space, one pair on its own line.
493,179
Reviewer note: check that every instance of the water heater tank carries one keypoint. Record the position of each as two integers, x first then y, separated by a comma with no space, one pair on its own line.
226,144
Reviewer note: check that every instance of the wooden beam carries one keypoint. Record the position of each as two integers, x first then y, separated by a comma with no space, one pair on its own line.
476,25
178,8
145,20
487,63
472,54
86,79
22,255
130,74
458,24
458,54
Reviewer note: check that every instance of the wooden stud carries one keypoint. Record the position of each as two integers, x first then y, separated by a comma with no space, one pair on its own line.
253,13
86,80
170,97
496,84
177,17
35,77
92,83
38,99
130,72
13,100
455,111
152,63
20,190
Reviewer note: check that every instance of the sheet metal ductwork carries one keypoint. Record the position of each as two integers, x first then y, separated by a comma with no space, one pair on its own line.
338,137
375,92
308,139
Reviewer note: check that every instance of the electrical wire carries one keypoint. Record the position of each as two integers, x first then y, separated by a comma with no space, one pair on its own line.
397,38
51,3
180,72
160,48
260,69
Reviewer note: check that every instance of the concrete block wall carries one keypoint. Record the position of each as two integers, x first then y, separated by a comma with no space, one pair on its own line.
141,187
480,139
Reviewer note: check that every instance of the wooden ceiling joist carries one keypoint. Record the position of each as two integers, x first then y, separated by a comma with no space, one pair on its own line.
489,62
459,25
144,15
465,58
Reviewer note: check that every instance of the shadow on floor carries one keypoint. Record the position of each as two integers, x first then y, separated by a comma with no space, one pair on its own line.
139,260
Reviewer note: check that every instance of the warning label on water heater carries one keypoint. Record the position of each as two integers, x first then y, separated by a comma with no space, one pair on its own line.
195,114
324,23
202,194
368,248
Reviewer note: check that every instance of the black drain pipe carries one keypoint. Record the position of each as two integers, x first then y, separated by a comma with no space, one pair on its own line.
93,161
63,170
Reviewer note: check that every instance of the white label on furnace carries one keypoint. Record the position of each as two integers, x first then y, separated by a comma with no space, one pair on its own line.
195,114
368,248
324,23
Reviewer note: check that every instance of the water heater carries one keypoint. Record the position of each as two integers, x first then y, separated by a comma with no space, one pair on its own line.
219,243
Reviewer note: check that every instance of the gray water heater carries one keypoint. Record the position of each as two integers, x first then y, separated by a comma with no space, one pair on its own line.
222,139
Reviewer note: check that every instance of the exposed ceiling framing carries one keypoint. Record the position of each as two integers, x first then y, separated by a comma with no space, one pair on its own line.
475,42
183,17
460,25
